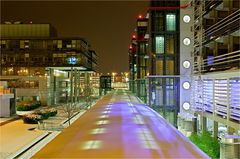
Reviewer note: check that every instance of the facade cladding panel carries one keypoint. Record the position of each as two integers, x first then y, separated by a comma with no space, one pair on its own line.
27,30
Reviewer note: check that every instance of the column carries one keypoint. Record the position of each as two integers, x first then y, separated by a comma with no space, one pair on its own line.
204,123
52,87
215,129
75,85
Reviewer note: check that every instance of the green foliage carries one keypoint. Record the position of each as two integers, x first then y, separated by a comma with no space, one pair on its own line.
207,144
43,114
26,106
31,118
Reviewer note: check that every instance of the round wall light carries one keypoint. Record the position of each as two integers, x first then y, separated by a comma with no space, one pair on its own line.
186,106
186,41
186,85
186,64
186,18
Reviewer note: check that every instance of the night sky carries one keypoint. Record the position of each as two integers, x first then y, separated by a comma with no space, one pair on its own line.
107,25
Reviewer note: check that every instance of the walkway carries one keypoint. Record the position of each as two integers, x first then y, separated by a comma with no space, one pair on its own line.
118,126
16,135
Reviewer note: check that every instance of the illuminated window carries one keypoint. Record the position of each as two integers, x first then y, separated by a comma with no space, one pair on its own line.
3,44
24,44
73,43
170,44
159,67
142,48
59,44
169,67
159,44
171,22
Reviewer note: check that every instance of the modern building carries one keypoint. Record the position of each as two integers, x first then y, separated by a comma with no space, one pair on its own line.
157,60
215,64
42,66
141,56
132,64
193,62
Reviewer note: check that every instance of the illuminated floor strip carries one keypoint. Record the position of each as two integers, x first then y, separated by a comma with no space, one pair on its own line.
93,144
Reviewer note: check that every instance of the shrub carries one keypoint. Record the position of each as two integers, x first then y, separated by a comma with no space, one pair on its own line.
26,106
207,144
31,118
43,114
52,111
46,113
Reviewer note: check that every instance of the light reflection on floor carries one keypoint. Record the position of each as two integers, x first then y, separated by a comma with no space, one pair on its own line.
120,127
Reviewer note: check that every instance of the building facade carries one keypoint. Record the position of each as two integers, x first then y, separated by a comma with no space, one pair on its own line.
216,62
42,66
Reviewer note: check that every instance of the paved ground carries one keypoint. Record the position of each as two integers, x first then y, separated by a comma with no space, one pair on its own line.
118,126
15,135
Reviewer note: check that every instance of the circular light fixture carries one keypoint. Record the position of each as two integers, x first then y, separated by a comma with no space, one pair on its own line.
186,85
186,18
186,41
186,64
186,106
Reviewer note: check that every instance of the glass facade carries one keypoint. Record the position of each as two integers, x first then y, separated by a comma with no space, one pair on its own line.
171,22
159,44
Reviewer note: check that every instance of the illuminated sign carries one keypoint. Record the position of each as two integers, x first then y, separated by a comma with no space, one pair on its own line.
72,60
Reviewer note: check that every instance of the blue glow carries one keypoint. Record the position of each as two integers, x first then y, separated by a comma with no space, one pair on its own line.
72,60
210,60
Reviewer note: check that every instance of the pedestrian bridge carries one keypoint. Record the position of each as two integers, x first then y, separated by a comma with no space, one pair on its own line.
119,126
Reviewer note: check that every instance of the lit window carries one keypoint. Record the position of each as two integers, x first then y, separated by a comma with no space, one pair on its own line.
186,41
186,18
186,85
186,106
171,22
59,44
159,44
169,67
159,67
186,64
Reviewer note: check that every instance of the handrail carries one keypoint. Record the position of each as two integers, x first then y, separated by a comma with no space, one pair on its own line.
217,29
223,20
217,60
230,53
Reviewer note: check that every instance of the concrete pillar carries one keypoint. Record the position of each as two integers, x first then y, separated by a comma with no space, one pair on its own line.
215,129
230,147
71,86
195,125
87,81
75,85
230,130
78,86
52,87
204,123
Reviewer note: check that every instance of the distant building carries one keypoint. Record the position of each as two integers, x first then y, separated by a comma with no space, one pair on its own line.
39,64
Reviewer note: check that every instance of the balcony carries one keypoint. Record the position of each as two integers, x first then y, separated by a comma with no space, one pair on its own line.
218,63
